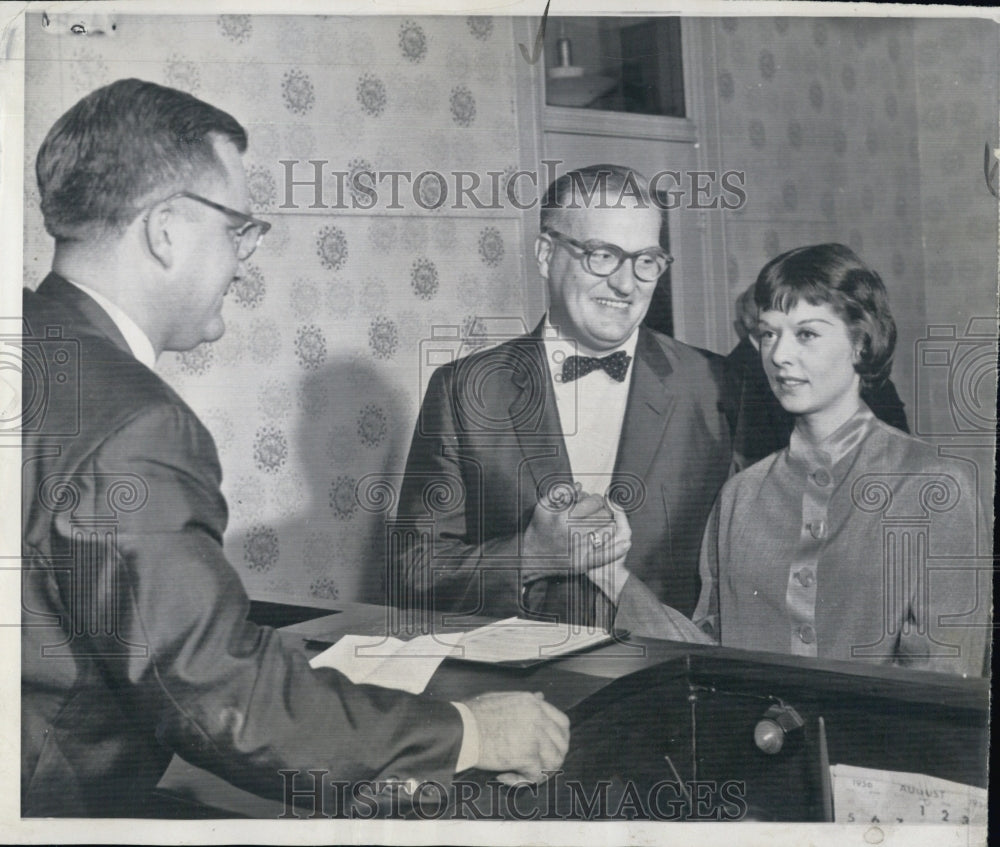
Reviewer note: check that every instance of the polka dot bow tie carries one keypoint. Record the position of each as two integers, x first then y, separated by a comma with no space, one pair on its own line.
615,365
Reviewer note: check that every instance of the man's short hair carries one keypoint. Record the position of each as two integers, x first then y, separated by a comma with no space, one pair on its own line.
121,147
833,274
595,186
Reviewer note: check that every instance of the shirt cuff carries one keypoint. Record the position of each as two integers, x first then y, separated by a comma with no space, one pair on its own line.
468,756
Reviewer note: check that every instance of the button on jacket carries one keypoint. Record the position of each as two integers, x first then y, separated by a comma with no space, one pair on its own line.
869,546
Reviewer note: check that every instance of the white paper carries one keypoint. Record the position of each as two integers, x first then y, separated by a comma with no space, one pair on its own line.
409,665
868,795
518,640
388,662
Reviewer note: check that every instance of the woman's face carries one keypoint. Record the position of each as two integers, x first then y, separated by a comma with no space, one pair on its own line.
809,360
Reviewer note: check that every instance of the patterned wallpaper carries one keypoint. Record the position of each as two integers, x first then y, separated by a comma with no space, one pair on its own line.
872,132
316,382
865,131
958,92
822,115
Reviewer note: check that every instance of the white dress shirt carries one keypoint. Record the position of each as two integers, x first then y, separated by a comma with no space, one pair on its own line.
137,340
591,411
591,414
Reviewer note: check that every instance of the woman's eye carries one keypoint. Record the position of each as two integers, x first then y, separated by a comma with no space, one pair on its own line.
806,334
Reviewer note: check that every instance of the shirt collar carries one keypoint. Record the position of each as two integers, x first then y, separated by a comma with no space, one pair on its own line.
138,342
557,347
838,443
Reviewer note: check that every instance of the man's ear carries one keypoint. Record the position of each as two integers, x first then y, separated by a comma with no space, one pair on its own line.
160,241
543,254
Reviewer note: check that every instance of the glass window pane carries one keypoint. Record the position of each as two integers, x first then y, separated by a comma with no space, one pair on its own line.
618,64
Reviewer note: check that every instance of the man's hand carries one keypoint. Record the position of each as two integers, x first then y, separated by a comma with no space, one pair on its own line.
573,532
520,735
611,577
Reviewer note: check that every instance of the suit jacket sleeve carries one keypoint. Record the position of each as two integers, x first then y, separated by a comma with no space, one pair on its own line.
446,558
225,693
641,613
706,613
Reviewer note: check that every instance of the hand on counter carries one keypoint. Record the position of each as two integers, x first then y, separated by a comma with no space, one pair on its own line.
520,735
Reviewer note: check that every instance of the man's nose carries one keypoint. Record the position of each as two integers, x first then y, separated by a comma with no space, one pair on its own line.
623,280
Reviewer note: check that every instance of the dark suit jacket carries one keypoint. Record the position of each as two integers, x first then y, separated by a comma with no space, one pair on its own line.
135,642
488,440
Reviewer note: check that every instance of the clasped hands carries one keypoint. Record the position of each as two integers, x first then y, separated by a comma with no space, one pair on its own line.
521,735
572,530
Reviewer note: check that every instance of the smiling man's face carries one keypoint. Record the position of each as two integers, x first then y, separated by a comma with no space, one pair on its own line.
598,313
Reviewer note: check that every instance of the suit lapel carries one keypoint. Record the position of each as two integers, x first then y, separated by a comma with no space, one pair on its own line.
650,405
54,287
533,412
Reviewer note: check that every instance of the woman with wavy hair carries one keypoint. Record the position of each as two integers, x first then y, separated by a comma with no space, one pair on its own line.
856,541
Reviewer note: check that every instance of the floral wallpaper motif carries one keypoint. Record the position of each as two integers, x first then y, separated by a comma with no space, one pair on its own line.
463,106
260,549
820,115
263,188
424,279
371,94
412,41
249,289
318,378
864,132
237,28
331,247
957,83
310,347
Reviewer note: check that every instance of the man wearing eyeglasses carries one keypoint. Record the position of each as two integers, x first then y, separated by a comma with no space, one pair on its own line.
135,642
587,451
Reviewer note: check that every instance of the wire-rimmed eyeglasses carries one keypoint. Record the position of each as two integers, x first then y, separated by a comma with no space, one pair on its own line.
602,259
246,236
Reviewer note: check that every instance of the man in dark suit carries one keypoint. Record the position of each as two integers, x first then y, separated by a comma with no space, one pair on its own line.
558,462
135,639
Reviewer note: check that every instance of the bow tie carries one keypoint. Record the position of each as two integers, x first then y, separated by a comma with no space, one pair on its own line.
615,365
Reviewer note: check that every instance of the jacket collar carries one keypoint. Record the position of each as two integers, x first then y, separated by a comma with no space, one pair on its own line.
56,288
650,405
837,444
535,418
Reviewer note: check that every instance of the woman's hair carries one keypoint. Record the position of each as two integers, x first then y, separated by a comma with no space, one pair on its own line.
833,274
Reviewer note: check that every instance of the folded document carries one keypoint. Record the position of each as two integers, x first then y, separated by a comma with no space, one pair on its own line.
409,665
